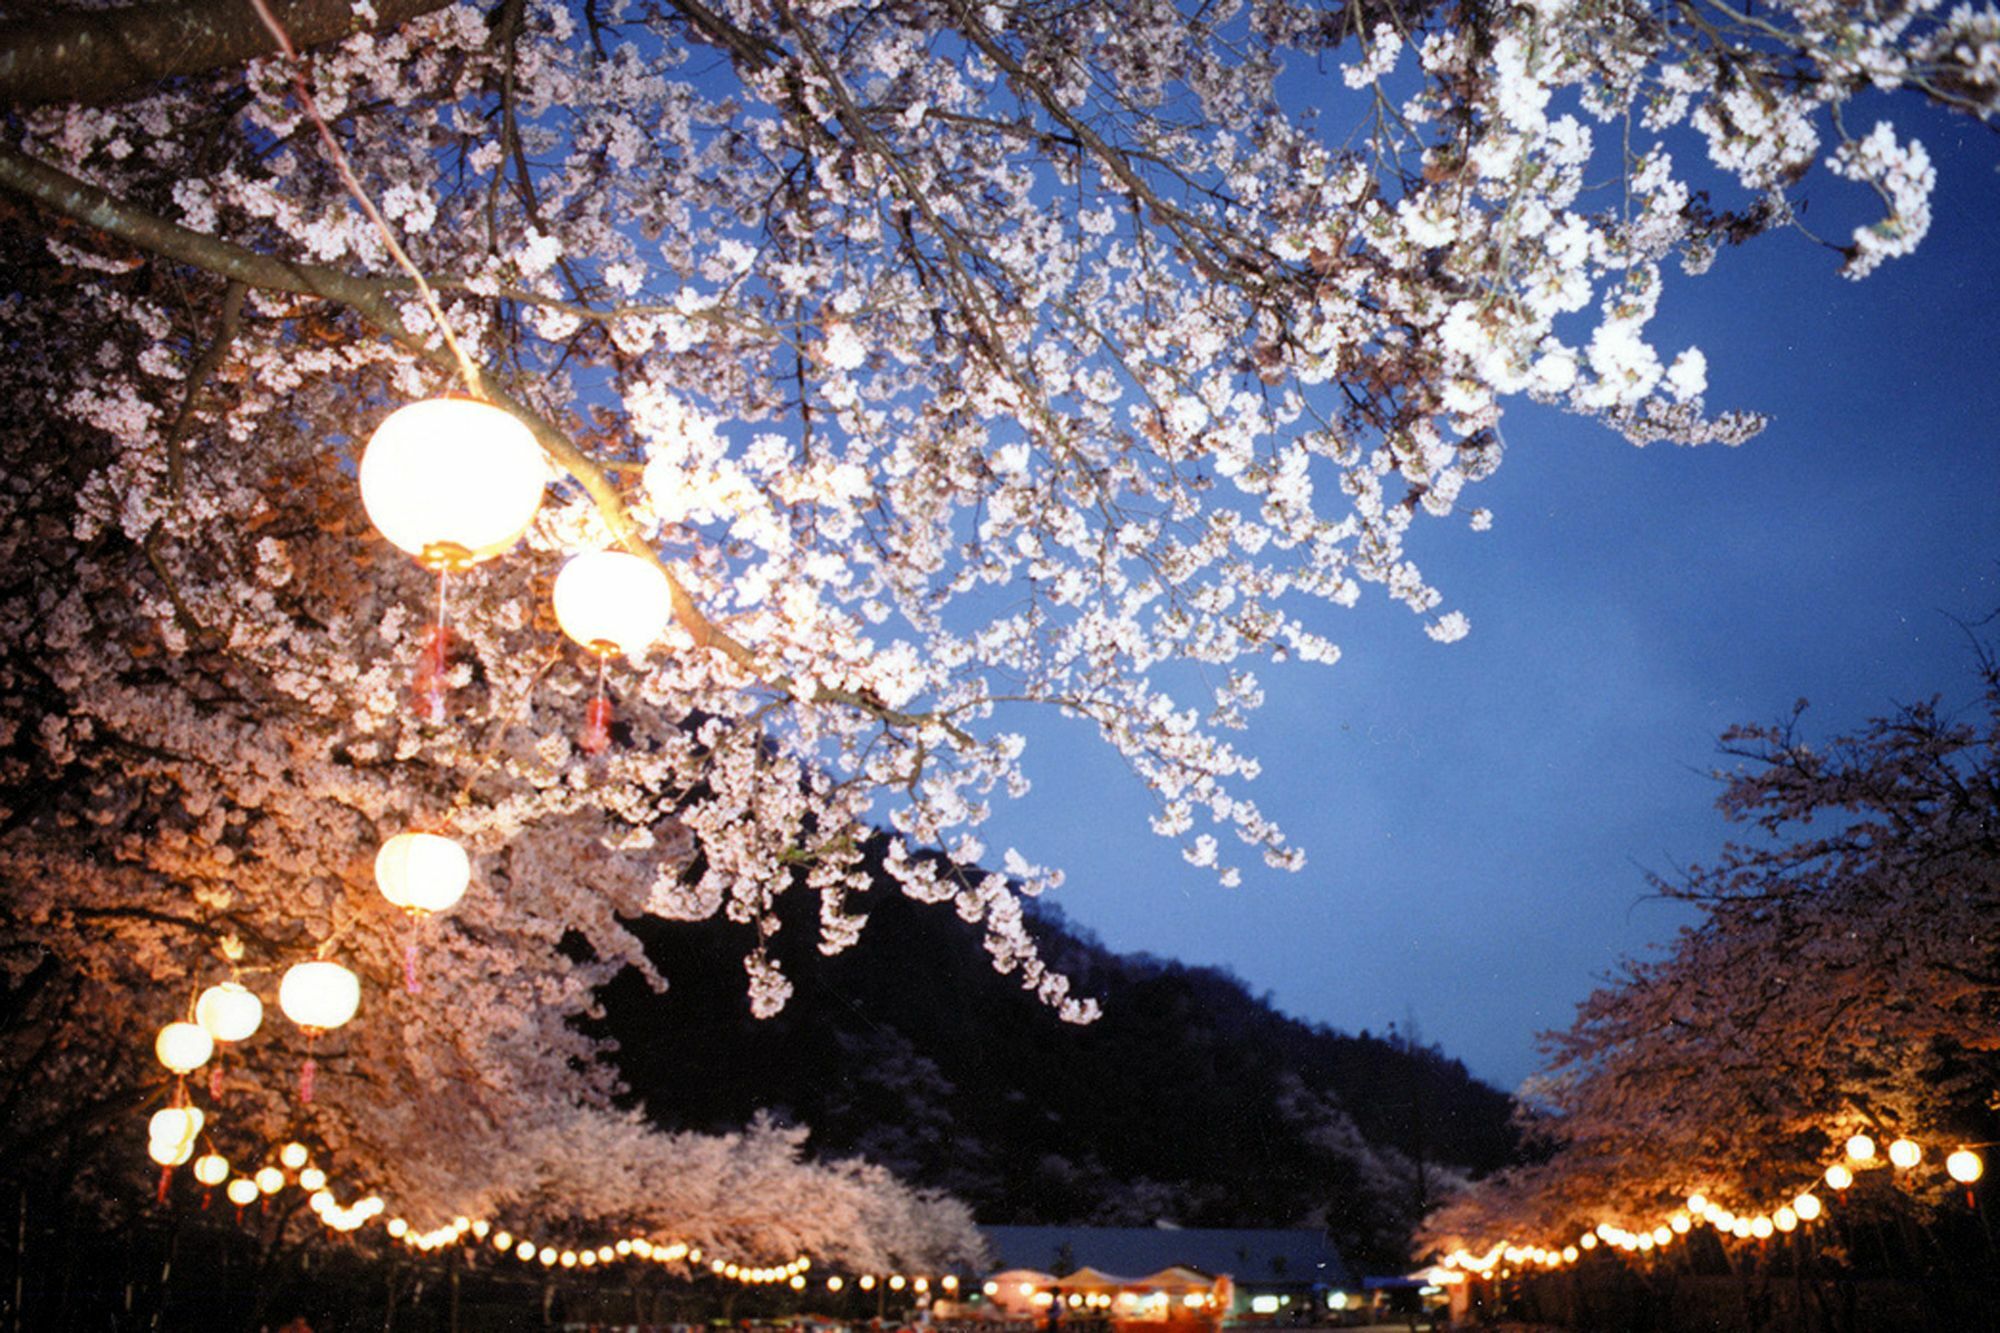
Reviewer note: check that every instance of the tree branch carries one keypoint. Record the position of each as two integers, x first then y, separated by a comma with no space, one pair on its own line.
107,55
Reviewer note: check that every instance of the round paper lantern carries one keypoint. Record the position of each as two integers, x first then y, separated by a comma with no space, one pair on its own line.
312,1178
211,1169
1761,1227
293,1156
1807,1206
1904,1154
228,1011
183,1047
242,1191
613,601
1861,1148
1964,1166
1785,1220
319,996
269,1179
1839,1176
168,1153
452,480
422,872
175,1124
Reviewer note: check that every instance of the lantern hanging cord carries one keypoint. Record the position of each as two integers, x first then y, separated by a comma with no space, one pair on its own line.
466,370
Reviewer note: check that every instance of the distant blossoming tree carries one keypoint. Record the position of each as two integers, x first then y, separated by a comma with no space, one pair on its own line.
953,358
1843,976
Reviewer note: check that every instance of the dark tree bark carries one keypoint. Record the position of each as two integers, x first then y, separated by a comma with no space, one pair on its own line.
106,55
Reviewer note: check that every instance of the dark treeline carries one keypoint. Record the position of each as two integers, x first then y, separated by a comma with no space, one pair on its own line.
1191,1100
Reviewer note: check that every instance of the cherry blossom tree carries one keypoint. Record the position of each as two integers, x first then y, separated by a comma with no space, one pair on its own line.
1842,977
952,359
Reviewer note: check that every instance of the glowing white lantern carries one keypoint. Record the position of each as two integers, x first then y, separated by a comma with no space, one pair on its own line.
269,1179
228,1011
1904,1154
503,1241
1761,1227
169,1152
397,1228
1861,1148
1785,1220
451,480
319,996
525,1251
1839,1177
211,1169
293,1156
1964,1166
1807,1206
183,1047
312,1179
568,1258
177,1125
422,872
242,1191
613,601
1697,1203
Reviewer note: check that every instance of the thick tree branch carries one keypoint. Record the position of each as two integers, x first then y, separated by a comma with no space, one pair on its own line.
103,56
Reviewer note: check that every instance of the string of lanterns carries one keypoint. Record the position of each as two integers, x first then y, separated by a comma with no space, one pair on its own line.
1962,1164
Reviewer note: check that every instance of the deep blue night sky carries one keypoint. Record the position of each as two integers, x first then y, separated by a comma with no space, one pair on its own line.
1479,817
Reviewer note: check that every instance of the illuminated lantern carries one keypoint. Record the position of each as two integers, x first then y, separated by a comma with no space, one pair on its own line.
293,1156
269,1179
1839,1177
175,1125
525,1251
242,1191
183,1047
1964,1166
452,481
211,1169
228,1011
1861,1148
568,1258
1680,1224
397,1228
1904,1154
1785,1220
422,872
1807,1206
318,996
169,1152
503,1241
311,1179
1761,1227
611,602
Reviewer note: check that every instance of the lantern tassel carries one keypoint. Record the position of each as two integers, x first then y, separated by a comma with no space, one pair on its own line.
427,687
597,718
410,982
207,1197
215,1079
306,1073
166,1179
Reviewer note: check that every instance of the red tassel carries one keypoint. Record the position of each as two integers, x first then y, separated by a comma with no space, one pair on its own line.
306,1072
166,1179
596,726
215,1080
428,688
207,1197
410,982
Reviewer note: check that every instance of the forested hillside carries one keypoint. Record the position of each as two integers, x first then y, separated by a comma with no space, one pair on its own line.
1190,1101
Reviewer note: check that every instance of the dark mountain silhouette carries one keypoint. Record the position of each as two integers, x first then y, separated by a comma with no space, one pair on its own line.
1191,1101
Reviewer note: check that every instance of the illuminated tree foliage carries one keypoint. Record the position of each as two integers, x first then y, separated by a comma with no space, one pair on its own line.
955,359
1843,977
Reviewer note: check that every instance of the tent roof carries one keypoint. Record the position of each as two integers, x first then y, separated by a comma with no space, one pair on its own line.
1087,1277
1177,1275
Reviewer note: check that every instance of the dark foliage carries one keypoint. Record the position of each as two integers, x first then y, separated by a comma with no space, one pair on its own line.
1191,1100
